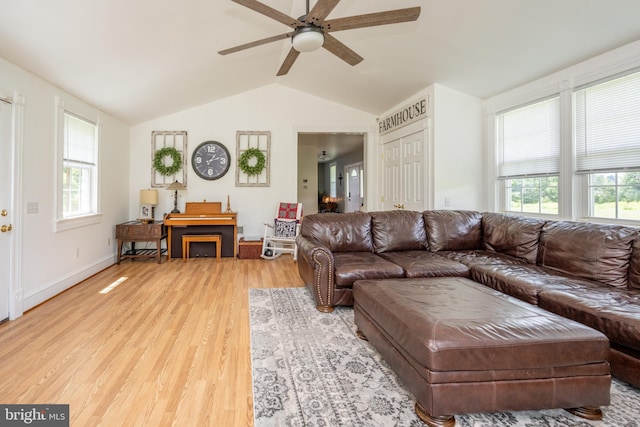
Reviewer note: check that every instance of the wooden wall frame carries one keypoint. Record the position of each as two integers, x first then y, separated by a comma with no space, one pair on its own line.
174,139
253,139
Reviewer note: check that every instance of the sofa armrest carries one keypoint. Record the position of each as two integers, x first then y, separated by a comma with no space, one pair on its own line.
316,268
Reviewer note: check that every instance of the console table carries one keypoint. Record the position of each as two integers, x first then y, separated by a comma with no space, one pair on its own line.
136,231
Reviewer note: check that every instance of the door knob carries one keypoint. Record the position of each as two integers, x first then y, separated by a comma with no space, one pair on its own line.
6,228
4,212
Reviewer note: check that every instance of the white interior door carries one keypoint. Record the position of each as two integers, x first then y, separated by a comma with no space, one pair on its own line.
413,176
392,196
5,208
354,196
404,172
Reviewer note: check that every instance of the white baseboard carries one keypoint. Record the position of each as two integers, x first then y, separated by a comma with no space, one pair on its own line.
49,291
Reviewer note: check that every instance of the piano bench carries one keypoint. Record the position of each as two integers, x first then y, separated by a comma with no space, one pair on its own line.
189,238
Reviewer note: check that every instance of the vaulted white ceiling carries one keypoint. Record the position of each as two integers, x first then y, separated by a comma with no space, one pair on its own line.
141,59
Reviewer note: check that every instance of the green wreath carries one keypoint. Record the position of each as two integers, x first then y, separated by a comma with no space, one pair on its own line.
176,161
252,153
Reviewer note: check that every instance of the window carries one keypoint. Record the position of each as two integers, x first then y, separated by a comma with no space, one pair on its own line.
528,140
79,166
333,168
533,195
607,141
615,195
77,181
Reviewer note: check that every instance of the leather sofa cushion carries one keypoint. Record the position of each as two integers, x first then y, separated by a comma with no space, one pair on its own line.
340,232
453,230
398,231
352,266
425,264
615,312
470,258
591,251
525,281
634,268
516,236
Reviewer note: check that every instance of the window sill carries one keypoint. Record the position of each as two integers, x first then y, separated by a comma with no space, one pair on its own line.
71,223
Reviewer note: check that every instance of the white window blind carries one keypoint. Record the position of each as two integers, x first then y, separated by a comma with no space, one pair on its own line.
529,140
608,125
79,140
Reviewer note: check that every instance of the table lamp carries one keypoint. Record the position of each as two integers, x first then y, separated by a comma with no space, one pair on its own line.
176,186
148,199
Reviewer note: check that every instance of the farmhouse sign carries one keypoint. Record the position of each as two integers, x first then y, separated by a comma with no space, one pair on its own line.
408,114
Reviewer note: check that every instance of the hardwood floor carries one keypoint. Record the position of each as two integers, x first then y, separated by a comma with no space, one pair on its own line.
167,346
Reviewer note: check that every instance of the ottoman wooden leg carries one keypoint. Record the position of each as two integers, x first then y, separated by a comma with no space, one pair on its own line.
360,335
586,412
431,421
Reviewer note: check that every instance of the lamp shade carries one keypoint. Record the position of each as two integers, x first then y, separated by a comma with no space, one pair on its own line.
148,197
176,186
308,39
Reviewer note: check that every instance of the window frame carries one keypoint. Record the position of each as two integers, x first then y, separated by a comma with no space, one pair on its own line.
502,182
333,179
62,222
583,194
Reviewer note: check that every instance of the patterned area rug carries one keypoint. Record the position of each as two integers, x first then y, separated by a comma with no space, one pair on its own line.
310,369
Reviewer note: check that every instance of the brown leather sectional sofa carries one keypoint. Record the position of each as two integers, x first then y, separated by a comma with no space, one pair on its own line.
583,271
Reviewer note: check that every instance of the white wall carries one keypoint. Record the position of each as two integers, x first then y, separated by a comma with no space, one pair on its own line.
458,155
48,259
308,171
275,108
454,172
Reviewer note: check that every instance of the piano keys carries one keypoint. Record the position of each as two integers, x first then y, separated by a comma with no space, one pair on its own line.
201,218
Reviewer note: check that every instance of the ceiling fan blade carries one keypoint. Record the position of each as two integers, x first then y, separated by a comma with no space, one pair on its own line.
288,62
270,12
255,43
320,11
372,19
341,50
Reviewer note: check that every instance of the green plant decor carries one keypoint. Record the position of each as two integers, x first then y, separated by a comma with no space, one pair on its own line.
247,156
176,161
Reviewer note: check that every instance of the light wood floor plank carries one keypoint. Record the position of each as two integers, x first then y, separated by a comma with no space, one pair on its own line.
169,346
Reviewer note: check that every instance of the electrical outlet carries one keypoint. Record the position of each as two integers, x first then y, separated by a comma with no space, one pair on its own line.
447,201
77,252
108,241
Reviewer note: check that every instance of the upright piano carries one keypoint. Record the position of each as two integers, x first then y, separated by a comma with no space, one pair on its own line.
201,218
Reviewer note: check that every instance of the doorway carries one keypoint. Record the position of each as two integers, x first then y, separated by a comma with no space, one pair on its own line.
316,152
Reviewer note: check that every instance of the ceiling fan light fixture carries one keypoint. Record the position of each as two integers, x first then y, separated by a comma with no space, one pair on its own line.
308,39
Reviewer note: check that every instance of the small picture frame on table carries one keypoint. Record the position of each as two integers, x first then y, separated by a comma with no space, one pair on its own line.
145,213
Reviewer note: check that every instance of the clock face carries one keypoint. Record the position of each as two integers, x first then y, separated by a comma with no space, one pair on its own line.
210,160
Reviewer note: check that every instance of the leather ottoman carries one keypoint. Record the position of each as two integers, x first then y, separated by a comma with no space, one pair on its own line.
461,347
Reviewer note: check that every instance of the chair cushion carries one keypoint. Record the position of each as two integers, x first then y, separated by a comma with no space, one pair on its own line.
352,266
595,252
525,281
615,312
398,231
340,232
453,230
425,264
290,210
634,268
516,236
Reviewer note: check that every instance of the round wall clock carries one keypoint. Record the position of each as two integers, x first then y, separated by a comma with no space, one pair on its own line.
210,160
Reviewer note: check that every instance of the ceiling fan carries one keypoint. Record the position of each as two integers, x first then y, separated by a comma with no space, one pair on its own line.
311,31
